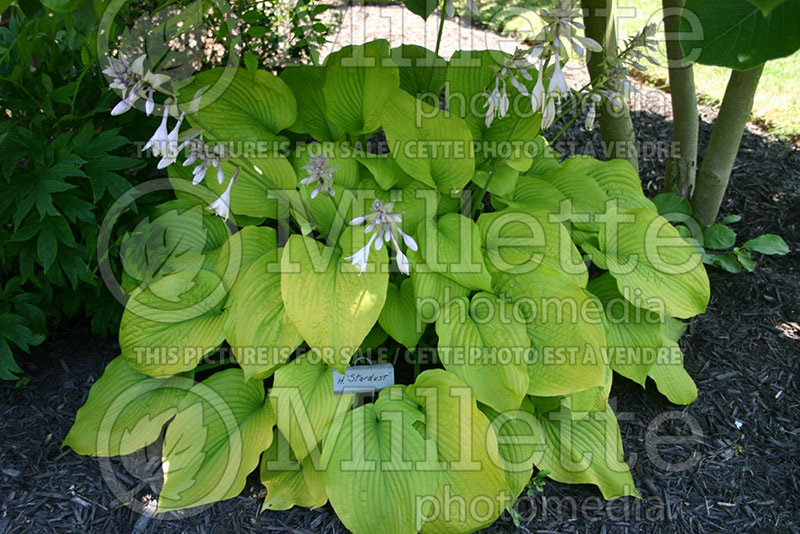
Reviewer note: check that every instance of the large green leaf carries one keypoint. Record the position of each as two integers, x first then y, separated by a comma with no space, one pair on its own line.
258,328
451,247
126,411
471,470
585,451
470,77
668,372
332,305
432,291
520,241
169,326
567,338
222,426
178,235
306,82
516,432
304,403
243,248
379,466
399,315
484,344
359,80
736,34
289,482
240,106
422,72
654,266
616,177
634,335
431,145
587,198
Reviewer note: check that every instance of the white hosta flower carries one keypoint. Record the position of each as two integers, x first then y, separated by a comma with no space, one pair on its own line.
320,172
133,82
558,83
549,113
158,142
386,228
497,103
450,9
208,156
222,206
172,148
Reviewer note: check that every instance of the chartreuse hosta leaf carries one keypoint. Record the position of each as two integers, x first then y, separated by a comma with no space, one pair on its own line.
258,179
222,426
483,344
616,177
516,447
432,291
451,247
654,266
290,482
243,248
567,339
584,450
500,181
467,449
634,335
470,78
169,326
125,411
589,400
258,329
534,193
306,82
399,315
429,144
304,403
668,372
239,106
332,305
178,235
358,81
422,72
587,198
519,241
378,466
384,169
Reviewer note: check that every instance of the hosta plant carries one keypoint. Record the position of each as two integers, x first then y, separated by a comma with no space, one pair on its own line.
343,218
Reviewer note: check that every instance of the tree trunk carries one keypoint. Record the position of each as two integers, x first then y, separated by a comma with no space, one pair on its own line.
616,127
681,166
720,155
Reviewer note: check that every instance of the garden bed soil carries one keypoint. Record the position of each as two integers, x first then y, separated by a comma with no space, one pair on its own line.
742,473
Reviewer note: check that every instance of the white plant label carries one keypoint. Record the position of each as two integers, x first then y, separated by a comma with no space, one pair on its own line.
363,379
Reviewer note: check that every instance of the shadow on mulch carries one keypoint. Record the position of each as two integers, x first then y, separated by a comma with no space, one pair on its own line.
740,473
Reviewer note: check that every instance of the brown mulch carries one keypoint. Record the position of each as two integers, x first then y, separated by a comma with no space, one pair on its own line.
744,354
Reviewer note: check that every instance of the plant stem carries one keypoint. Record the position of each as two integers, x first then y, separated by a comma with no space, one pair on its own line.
616,127
681,169
441,26
720,155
